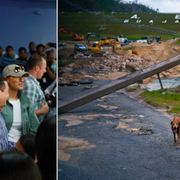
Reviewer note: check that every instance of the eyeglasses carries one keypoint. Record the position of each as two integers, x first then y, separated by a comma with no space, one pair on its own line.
18,68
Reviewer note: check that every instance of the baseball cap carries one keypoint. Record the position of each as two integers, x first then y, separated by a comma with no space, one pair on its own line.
14,70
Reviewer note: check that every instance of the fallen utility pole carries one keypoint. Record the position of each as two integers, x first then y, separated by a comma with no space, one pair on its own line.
85,97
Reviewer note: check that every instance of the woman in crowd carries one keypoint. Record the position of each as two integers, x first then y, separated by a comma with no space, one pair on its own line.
51,65
52,61
19,113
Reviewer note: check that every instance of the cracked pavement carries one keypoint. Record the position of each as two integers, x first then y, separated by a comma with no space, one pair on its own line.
115,137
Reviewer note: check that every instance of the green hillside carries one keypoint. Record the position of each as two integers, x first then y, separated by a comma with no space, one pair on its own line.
103,6
81,23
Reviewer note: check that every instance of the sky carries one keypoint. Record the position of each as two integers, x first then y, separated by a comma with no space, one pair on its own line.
164,6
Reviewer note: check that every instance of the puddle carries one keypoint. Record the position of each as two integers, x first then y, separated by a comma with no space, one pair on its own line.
166,83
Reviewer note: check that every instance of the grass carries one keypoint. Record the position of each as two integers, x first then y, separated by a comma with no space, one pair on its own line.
170,100
175,109
129,48
81,23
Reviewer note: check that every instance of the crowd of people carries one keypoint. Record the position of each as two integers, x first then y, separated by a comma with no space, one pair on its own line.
28,113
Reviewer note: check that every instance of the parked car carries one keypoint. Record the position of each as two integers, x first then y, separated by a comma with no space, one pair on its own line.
61,44
80,47
127,42
121,38
142,40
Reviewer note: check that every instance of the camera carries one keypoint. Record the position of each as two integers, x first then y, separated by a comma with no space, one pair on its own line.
52,45
52,101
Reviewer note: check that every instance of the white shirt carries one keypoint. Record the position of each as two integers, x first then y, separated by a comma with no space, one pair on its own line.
16,128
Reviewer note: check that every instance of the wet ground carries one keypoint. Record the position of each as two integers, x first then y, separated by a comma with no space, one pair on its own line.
166,83
115,137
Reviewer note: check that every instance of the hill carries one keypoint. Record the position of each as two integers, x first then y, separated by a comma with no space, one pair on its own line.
103,6
81,23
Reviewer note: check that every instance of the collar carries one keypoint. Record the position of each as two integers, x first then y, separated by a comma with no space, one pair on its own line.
33,79
23,99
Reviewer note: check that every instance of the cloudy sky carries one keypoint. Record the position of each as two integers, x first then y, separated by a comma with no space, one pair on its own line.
167,6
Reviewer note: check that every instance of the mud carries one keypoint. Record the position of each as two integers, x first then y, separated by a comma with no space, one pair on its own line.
70,143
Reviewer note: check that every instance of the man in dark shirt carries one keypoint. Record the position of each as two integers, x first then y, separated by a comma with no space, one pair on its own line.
22,60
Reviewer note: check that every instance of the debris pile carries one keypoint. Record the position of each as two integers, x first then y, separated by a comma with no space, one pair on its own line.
68,77
83,76
113,66
114,63
66,53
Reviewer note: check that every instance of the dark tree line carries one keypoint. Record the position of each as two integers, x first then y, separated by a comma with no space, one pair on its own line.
103,6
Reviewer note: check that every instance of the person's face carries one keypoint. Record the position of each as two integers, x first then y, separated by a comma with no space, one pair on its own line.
40,49
1,52
42,69
22,55
32,46
15,83
9,52
51,56
4,95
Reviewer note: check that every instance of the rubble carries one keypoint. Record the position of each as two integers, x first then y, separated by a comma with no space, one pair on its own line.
139,56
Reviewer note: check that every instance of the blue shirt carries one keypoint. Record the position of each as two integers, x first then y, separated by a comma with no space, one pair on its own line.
3,134
9,60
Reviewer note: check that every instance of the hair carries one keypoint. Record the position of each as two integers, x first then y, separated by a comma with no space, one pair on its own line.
18,165
34,61
47,53
43,54
22,48
31,43
39,45
2,84
28,143
9,47
45,145
34,53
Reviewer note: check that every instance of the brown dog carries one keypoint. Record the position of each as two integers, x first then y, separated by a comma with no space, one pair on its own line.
175,126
